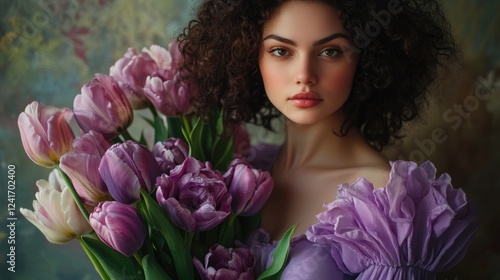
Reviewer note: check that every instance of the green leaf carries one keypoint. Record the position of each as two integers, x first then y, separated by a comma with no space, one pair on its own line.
207,141
280,256
153,269
196,138
180,252
224,152
149,121
175,128
114,263
160,129
143,141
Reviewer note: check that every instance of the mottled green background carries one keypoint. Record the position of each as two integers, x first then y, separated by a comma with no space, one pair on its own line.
50,48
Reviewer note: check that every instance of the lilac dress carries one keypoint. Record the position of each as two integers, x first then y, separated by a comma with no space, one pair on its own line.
411,228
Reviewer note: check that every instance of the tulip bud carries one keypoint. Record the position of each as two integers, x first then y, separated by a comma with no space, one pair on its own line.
45,133
170,153
131,72
119,226
103,107
55,213
126,168
81,165
194,196
169,95
222,263
249,187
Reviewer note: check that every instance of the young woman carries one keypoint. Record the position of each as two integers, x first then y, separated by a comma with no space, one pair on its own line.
345,75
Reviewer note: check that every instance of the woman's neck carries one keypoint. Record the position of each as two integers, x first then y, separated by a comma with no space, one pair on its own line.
319,145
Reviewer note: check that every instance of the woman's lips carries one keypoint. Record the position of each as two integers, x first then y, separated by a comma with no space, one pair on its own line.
305,99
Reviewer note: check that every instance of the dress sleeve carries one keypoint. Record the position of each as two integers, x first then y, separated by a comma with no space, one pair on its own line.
413,227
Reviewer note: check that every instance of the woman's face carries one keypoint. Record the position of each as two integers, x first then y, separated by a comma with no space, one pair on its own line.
304,64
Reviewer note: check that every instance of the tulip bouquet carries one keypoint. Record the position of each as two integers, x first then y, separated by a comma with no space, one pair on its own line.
177,207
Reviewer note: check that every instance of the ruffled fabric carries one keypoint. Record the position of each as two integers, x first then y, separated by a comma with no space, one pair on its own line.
306,260
413,227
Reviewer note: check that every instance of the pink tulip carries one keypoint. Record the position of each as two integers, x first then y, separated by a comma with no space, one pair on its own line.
45,133
169,93
131,72
81,165
119,226
165,59
55,213
103,107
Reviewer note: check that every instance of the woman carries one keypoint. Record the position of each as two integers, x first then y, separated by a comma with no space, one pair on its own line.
345,75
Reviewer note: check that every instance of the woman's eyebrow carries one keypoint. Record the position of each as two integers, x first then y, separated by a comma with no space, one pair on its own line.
317,43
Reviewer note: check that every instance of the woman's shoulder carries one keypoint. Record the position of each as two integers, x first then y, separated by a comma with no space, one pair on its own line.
416,220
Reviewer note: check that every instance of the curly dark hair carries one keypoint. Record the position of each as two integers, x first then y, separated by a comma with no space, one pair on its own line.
401,45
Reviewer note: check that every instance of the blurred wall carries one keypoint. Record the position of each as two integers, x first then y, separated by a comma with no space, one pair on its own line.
50,48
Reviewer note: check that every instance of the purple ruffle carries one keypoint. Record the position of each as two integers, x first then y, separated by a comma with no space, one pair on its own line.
410,229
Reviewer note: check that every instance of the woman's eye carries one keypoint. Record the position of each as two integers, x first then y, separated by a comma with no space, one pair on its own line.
331,52
279,52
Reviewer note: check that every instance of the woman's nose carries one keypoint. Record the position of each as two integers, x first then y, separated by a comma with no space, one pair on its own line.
305,72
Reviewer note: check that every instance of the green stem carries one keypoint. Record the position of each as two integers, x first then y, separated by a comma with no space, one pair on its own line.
75,195
232,218
153,111
126,135
138,258
186,124
189,239
102,272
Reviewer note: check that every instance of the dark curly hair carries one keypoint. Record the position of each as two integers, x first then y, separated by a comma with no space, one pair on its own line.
401,44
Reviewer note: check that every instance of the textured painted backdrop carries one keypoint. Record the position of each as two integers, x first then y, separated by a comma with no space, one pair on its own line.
50,48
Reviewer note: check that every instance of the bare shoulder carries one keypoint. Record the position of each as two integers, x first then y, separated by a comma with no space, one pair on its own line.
375,168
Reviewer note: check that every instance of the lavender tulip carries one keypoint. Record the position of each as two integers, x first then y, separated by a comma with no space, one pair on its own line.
119,226
45,133
81,166
169,93
226,264
194,196
103,107
131,72
249,187
126,168
170,153
55,213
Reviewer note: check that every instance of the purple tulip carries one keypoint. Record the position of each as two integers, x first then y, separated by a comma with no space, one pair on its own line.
81,166
131,72
170,153
249,187
169,93
126,168
194,196
119,226
45,133
103,107
226,264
